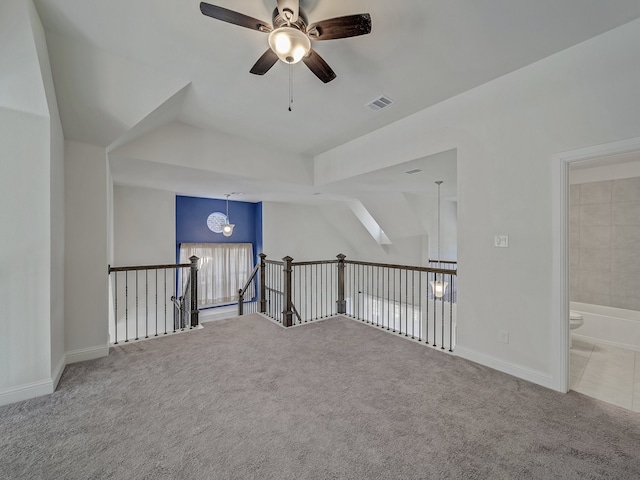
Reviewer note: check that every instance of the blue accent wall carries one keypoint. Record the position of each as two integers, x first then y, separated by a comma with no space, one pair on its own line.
191,222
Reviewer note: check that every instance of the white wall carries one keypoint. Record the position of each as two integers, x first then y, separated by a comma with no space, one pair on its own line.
505,133
25,266
187,146
307,232
110,219
86,252
448,231
426,209
301,232
56,206
31,186
21,86
144,226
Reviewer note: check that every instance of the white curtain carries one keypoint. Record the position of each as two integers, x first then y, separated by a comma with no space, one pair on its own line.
223,269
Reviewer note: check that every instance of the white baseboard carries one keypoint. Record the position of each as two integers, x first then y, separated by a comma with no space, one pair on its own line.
25,392
35,389
84,354
57,372
519,371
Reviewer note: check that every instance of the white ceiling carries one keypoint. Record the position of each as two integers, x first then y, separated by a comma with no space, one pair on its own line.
420,52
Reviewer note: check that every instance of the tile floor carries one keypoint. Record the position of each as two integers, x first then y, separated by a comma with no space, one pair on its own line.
607,373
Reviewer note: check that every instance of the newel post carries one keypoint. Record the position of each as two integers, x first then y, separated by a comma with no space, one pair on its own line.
263,284
194,291
287,314
341,302
240,302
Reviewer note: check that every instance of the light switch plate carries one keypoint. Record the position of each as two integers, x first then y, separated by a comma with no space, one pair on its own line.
503,336
502,241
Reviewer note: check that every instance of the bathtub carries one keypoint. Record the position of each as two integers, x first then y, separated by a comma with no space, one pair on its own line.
608,325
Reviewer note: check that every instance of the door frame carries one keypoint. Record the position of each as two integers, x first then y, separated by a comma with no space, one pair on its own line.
560,250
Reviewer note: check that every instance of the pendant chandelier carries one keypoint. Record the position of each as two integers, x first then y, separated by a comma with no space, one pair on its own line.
439,286
227,228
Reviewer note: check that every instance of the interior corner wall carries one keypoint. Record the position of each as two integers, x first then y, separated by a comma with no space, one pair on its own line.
25,257
259,230
448,230
110,220
143,226
426,208
506,133
301,232
56,206
32,210
86,252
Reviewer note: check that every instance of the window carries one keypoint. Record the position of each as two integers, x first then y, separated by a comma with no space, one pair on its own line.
223,269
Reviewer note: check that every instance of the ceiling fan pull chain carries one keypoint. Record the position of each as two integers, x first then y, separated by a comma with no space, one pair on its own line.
290,85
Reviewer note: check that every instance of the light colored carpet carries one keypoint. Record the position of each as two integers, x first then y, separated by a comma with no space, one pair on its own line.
336,399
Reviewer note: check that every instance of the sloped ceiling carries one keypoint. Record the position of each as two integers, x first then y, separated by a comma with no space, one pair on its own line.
21,86
119,60
103,96
167,91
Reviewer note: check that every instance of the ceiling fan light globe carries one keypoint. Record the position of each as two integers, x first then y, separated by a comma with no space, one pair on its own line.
283,44
298,54
227,229
289,44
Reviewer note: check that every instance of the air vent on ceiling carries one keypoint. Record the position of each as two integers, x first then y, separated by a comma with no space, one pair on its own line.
411,172
380,103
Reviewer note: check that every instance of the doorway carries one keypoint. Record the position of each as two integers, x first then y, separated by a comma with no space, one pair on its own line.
598,192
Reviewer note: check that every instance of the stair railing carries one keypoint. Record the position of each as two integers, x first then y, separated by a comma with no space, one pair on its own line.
417,302
252,305
141,295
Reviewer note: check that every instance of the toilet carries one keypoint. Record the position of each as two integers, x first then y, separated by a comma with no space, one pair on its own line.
575,321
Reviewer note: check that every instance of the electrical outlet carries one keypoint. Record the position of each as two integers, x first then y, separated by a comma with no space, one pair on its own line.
501,241
503,336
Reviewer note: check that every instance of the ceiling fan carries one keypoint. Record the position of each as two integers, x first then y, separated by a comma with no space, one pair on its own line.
290,34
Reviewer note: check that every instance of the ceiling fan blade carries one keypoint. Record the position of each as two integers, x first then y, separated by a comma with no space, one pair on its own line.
264,63
236,18
340,27
289,9
318,66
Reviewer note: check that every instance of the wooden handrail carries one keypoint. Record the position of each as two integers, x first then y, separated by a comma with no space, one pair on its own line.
373,264
315,262
148,267
405,267
251,277
274,262
450,262
295,311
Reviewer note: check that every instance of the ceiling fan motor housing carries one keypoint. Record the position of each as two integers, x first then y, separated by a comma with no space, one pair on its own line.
289,40
279,21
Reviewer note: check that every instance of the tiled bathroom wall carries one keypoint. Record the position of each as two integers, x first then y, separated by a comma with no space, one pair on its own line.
605,243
